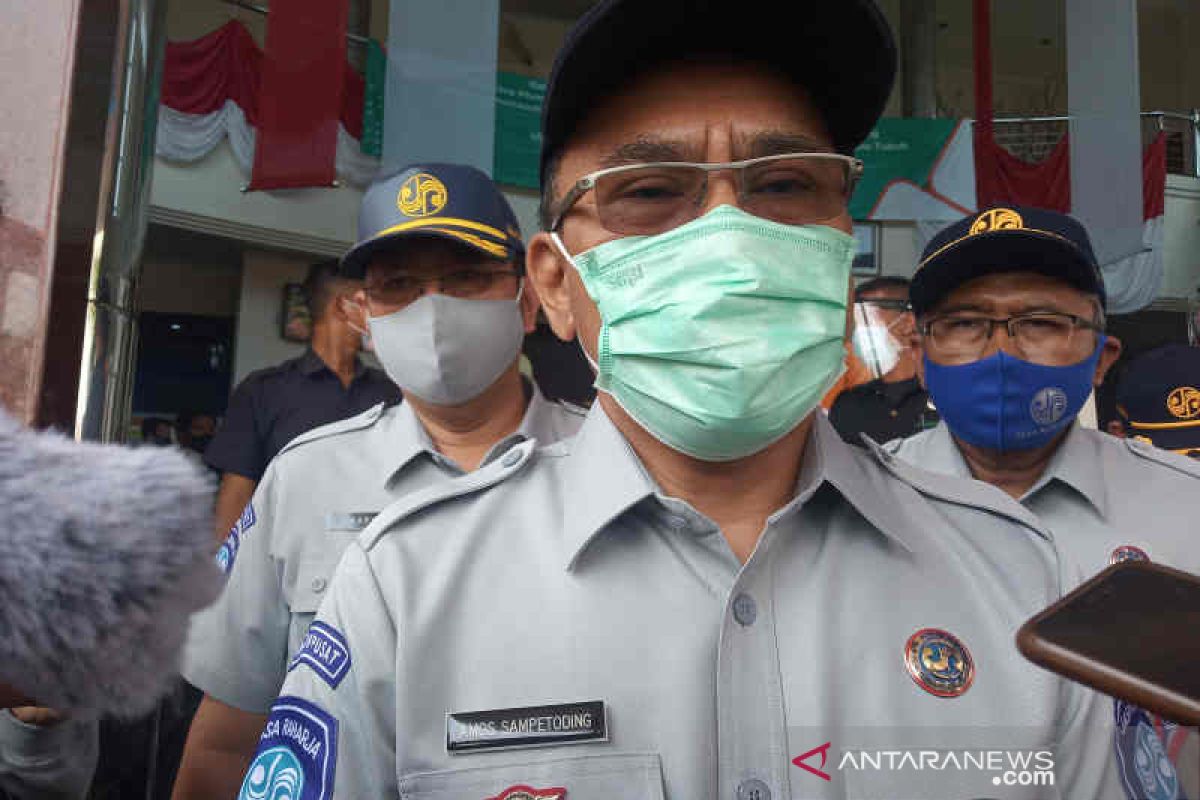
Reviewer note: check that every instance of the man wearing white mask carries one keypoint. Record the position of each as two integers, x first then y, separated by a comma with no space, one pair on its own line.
894,404
446,307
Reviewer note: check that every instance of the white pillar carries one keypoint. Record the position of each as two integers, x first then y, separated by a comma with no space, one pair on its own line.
1104,99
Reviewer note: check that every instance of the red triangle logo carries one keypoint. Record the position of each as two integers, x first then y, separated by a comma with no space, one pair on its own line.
818,771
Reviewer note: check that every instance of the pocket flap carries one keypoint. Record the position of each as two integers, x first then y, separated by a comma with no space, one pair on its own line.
317,562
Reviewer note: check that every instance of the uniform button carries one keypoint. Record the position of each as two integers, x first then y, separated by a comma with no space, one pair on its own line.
744,610
677,522
511,458
318,584
753,789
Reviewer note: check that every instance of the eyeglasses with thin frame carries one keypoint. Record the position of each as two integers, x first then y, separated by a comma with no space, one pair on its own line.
469,284
1042,337
651,198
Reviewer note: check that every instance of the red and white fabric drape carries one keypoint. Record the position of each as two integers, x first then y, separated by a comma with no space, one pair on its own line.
210,93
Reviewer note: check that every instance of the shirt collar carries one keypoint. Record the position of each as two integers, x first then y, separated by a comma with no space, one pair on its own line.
412,439
1077,463
311,364
602,460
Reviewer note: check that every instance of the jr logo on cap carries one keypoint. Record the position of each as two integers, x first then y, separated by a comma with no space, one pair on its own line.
422,195
997,219
1184,403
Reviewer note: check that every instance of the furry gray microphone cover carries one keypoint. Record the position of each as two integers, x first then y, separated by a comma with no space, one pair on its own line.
104,554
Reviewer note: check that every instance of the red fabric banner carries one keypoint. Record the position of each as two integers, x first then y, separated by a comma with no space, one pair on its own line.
300,98
1154,178
200,75
1001,177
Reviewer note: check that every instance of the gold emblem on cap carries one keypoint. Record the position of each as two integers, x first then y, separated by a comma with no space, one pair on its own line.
1184,403
997,219
422,195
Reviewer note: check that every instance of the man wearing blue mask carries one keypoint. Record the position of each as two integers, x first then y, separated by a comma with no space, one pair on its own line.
706,593
1010,305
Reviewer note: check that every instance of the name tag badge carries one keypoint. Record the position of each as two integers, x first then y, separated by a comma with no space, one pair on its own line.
533,726
349,521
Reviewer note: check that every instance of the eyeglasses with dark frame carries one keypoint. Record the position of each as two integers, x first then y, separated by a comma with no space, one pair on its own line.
401,289
1043,337
650,198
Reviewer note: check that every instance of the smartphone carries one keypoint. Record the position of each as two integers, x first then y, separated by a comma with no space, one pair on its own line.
1133,632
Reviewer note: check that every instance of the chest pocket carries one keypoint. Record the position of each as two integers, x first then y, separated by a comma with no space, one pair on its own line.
320,556
587,777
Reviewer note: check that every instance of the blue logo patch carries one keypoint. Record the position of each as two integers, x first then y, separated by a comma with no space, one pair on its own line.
324,650
297,754
247,520
1146,769
228,551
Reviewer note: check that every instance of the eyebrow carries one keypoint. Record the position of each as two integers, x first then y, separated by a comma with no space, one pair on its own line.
647,149
1032,309
774,143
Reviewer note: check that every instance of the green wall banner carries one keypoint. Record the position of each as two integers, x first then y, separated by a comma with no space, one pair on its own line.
518,129
899,147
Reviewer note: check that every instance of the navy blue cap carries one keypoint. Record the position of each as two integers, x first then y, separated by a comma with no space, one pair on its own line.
1158,397
449,201
841,51
1006,239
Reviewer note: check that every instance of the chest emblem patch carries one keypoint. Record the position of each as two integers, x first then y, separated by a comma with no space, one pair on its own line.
939,663
529,793
1127,552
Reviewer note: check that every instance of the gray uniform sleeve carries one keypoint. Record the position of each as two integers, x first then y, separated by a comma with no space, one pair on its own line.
48,763
334,721
236,650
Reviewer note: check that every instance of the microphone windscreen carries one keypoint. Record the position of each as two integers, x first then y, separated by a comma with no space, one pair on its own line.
105,552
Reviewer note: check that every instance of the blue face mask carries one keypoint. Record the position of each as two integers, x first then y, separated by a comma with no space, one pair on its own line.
1005,403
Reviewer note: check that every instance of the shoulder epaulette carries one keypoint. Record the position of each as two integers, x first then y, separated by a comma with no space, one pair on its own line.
487,476
356,423
1182,464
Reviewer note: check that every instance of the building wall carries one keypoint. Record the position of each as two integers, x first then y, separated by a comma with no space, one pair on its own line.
258,342
37,56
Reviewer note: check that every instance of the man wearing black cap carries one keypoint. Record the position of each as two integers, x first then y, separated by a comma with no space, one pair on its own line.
1158,399
1010,307
447,306
705,593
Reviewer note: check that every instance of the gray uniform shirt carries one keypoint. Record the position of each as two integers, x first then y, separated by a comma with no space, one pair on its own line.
1097,495
315,497
572,578
54,762
1104,498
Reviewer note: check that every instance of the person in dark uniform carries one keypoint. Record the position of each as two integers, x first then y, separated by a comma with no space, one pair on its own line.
275,405
1158,399
893,405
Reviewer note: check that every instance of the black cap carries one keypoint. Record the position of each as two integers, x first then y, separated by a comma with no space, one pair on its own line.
841,51
1158,397
1008,239
450,201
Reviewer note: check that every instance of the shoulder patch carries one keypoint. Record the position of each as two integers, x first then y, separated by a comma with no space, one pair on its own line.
1181,464
227,553
297,754
1144,764
497,471
359,422
326,653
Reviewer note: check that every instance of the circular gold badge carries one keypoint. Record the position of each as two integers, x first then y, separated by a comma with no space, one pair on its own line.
422,195
1184,403
939,663
997,219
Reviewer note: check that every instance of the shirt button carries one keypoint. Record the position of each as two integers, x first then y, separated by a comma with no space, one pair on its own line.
753,789
511,458
744,610
677,522
318,584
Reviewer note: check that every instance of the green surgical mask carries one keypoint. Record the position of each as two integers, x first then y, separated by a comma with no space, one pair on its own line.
721,335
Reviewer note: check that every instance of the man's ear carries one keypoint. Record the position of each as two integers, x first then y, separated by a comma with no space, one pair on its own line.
547,271
351,308
529,303
1108,357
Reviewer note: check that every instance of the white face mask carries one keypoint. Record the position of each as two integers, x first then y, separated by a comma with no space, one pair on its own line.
446,350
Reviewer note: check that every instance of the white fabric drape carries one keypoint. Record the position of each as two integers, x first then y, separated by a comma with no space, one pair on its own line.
190,137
